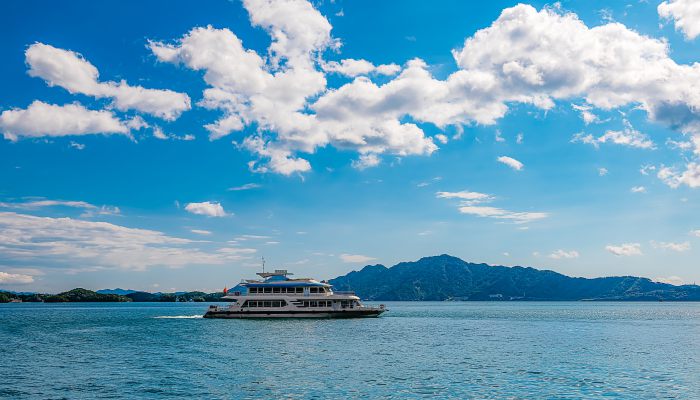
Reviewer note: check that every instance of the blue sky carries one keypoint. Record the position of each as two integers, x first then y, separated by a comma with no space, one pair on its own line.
168,145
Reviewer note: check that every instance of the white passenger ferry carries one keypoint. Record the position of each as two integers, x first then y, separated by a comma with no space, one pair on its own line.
277,295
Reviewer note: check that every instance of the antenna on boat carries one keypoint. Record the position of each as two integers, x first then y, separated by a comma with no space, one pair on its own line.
263,263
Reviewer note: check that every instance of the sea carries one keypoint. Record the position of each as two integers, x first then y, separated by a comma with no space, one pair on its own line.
446,350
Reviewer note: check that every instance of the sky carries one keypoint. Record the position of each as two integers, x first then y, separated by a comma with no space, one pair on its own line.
170,145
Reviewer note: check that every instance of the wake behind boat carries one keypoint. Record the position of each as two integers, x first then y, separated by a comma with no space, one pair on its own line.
278,296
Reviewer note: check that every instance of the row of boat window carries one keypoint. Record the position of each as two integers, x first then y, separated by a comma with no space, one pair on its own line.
259,290
260,303
327,303
310,303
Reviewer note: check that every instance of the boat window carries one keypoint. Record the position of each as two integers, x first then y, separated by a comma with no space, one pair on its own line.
313,304
268,290
300,290
283,290
267,304
321,290
276,290
253,290
313,290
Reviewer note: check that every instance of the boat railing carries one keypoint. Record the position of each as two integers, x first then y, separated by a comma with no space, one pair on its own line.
344,292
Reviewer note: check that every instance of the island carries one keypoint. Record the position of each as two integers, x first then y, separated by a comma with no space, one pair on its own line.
436,278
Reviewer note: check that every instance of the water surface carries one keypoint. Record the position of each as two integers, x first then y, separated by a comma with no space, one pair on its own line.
416,350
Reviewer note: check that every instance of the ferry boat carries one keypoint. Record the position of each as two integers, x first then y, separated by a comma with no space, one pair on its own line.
277,295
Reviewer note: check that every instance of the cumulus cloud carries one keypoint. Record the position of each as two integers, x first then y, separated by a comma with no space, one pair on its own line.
69,70
65,242
471,204
355,258
42,119
685,15
559,254
511,162
525,56
602,171
638,189
625,249
208,208
674,178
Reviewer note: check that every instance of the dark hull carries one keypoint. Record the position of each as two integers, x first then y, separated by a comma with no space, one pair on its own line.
294,314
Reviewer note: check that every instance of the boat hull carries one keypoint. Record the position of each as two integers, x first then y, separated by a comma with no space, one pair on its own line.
293,314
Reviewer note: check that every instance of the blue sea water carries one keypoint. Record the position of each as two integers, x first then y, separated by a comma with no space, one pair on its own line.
416,350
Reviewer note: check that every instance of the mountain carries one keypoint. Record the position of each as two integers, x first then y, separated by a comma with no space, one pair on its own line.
449,278
119,291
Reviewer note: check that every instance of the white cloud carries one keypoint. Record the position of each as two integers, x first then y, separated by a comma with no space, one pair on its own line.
465,195
247,186
673,178
200,231
677,247
511,162
76,145
494,212
252,237
519,138
602,171
10,279
638,189
525,56
646,169
627,137
626,249
671,280
695,232
498,137
90,209
586,114
74,73
355,258
470,205
441,138
366,161
208,208
42,119
66,242
352,68
685,15
159,134
559,254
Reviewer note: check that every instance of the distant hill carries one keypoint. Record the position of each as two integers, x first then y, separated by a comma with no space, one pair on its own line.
450,278
84,295
119,291
431,278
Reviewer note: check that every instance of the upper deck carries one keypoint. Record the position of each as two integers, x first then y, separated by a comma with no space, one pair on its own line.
279,282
